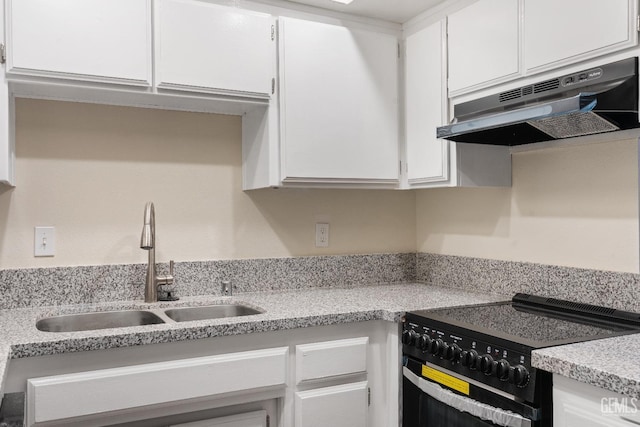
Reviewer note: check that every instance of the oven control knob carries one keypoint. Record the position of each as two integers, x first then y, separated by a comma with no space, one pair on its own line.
436,346
409,337
423,342
502,370
519,376
453,352
405,337
443,350
486,364
468,358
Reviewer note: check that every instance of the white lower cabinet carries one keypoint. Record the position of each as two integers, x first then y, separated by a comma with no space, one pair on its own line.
102,392
341,375
579,404
321,363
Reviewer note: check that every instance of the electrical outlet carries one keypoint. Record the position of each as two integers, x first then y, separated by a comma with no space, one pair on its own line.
322,235
45,241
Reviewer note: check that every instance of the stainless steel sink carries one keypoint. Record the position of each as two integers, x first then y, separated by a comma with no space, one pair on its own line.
97,320
210,312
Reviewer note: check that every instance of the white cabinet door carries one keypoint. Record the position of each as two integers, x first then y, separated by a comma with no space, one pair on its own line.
433,162
93,40
560,32
205,47
339,104
425,100
338,406
579,404
483,45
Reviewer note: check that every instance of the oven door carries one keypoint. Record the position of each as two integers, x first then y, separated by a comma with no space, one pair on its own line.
427,404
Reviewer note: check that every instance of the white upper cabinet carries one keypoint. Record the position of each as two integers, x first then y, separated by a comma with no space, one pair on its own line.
433,162
92,40
425,100
205,47
339,104
484,45
561,32
495,41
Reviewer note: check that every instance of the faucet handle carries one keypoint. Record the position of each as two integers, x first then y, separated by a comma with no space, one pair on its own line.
166,279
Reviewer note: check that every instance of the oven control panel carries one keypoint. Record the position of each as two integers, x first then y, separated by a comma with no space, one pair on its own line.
483,359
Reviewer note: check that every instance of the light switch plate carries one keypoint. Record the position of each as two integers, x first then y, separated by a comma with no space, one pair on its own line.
44,242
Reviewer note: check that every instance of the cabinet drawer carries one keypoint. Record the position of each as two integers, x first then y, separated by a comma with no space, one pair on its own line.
339,406
106,390
331,358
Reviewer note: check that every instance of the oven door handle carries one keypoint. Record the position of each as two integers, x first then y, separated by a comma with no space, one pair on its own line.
497,416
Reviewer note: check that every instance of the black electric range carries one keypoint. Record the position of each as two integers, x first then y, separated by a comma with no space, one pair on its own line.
483,352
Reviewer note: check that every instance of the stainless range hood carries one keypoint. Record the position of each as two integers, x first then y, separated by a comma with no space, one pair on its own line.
597,100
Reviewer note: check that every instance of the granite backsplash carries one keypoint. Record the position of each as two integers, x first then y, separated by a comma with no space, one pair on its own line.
95,284
606,288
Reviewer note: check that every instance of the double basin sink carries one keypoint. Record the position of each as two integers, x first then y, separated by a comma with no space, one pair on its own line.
126,318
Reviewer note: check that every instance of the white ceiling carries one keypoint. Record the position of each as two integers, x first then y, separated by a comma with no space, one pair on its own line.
390,10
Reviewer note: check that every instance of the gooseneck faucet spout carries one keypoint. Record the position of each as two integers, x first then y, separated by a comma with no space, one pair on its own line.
148,243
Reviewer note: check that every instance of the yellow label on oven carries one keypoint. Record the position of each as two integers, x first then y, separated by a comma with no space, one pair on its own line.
445,379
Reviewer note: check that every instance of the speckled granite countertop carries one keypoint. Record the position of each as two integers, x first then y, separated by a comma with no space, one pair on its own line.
617,372
283,310
610,363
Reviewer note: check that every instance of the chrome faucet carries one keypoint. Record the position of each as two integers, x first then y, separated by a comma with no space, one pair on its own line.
148,242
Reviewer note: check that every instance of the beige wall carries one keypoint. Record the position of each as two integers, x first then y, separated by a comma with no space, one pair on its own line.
89,169
575,206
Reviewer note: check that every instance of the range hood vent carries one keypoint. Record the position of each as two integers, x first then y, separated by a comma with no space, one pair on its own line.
546,86
511,94
597,100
